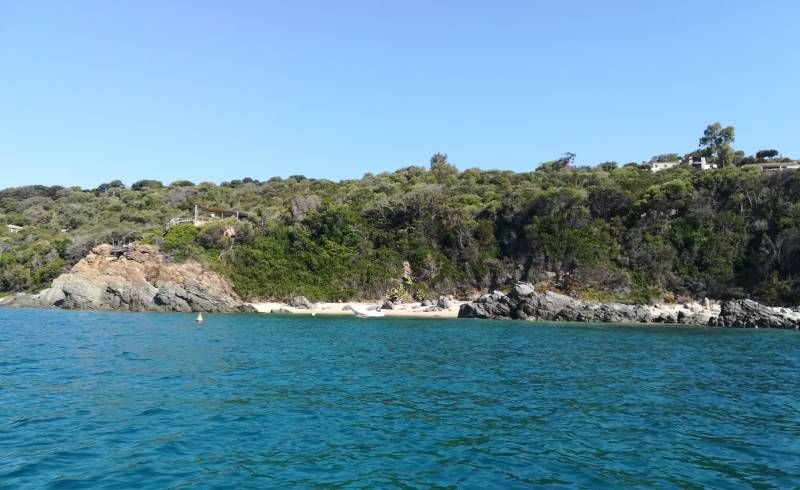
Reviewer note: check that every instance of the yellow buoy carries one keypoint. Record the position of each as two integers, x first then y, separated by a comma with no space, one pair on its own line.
199,318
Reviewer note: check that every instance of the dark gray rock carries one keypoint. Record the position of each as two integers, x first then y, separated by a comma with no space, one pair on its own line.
443,303
522,290
665,318
525,303
749,314
300,302
387,305
495,305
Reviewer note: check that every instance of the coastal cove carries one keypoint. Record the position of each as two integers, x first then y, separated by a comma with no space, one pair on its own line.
151,400
400,245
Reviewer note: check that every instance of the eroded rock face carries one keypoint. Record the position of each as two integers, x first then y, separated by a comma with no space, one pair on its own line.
749,314
141,279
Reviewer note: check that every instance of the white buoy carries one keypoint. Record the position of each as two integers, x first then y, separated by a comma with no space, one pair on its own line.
199,318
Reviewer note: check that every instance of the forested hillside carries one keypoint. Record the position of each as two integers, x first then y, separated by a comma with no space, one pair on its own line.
595,232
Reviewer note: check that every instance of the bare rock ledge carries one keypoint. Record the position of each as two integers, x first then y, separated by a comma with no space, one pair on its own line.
523,302
140,279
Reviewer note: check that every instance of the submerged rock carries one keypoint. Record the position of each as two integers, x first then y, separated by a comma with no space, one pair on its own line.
141,279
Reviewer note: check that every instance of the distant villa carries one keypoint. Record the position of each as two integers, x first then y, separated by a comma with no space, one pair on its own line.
202,215
700,163
694,161
774,166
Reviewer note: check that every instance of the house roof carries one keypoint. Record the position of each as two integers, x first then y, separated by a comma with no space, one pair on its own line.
773,165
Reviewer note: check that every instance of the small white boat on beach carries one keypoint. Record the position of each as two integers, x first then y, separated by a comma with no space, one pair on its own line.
364,313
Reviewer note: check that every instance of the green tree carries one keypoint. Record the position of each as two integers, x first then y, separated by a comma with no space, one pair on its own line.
146,184
441,167
766,155
608,166
563,163
666,157
180,241
716,142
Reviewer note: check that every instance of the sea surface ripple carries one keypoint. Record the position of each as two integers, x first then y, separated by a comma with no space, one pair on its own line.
129,400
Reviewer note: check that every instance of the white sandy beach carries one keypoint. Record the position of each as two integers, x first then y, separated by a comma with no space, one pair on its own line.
405,309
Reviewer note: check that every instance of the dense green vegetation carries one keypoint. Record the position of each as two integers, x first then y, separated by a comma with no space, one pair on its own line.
599,232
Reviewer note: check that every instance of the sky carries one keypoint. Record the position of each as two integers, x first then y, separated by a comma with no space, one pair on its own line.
92,91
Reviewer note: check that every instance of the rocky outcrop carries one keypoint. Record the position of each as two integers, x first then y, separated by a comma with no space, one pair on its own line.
749,314
300,302
140,279
523,302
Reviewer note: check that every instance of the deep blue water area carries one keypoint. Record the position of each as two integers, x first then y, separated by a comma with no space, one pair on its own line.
130,400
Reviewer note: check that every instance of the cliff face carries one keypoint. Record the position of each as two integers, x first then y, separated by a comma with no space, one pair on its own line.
140,279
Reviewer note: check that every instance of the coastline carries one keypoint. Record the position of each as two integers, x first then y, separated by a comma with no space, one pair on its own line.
414,310
668,314
418,310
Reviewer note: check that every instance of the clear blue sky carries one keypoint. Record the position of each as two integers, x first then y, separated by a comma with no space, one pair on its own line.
91,91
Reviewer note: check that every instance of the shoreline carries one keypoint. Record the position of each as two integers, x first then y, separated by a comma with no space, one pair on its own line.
408,310
418,310
327,310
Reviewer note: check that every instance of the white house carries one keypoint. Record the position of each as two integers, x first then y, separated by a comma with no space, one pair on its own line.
699,163
658,166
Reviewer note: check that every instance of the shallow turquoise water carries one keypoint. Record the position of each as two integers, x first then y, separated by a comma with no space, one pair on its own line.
124,400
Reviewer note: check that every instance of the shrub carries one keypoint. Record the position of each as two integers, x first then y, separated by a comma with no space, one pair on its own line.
179,241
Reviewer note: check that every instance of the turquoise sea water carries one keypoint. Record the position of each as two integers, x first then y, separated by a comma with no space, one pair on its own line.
128,400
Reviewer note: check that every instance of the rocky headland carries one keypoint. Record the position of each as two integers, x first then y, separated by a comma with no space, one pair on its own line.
525,303
136,279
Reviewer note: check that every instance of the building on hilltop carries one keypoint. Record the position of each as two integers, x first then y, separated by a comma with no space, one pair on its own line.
658,166
699,163
202,215
694,161
774,166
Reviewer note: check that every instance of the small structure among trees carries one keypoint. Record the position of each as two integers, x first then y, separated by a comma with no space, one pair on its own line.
202,215
694,160
774,166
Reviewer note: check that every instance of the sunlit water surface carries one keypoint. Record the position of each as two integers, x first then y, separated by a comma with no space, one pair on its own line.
123,400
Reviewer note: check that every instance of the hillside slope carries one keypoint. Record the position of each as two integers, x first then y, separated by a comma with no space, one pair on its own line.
604,233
